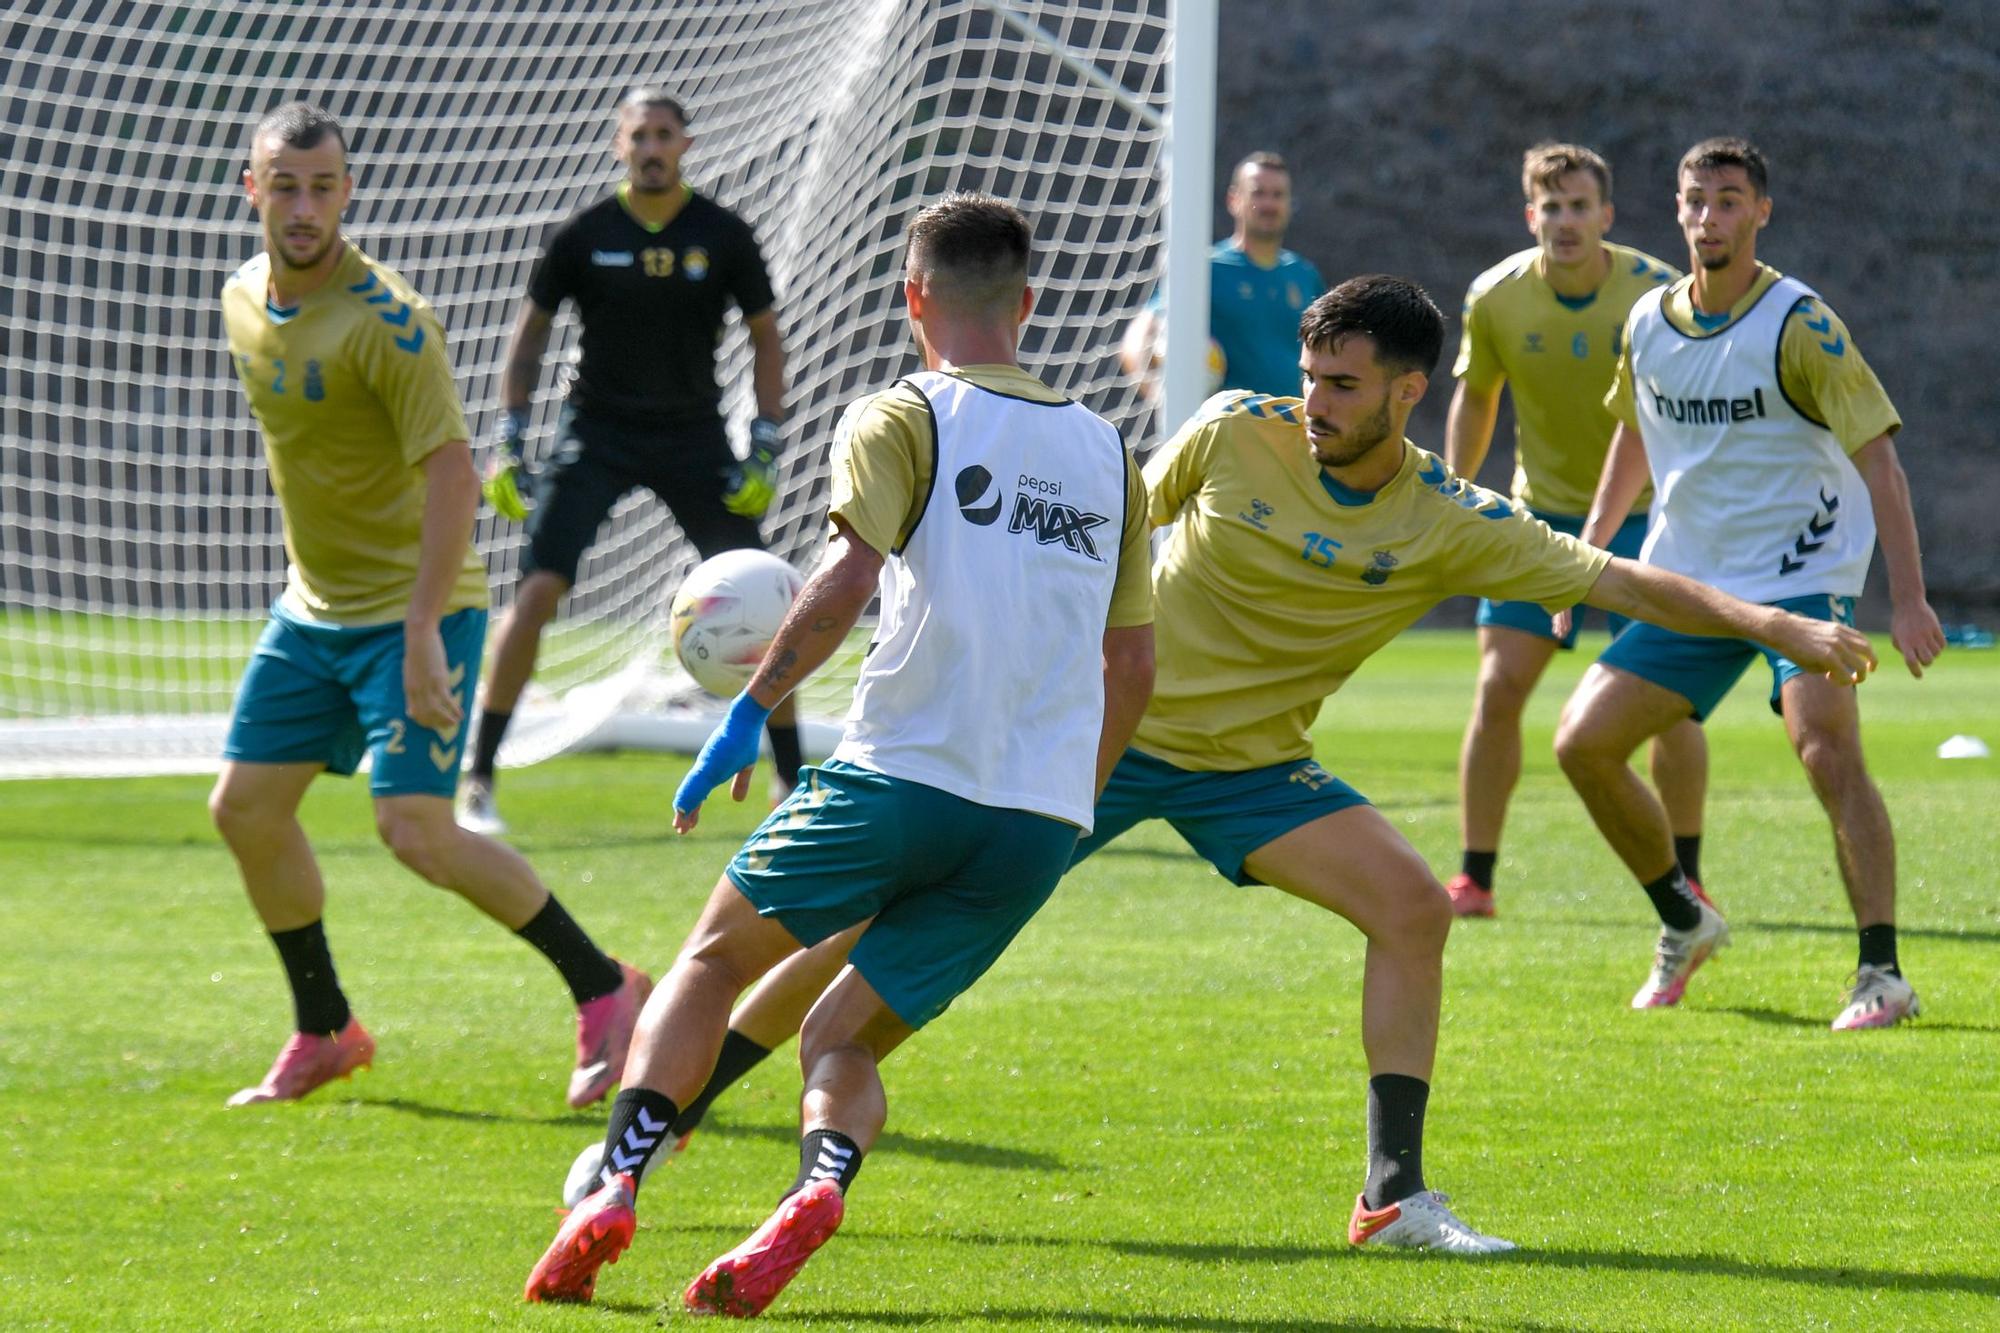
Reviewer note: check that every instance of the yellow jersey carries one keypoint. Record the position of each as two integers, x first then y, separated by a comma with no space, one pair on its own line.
1278,582
1556,354
1819,368
352,389
885,456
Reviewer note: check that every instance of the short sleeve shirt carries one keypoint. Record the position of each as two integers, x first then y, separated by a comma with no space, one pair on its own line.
651,302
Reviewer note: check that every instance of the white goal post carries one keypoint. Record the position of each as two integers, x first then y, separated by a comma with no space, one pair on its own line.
139,541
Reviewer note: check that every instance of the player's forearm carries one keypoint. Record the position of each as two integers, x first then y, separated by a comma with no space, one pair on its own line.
818,623
1895,520
1128,686
1624,476
451,504
1468,429
767,370
1673,601
525,350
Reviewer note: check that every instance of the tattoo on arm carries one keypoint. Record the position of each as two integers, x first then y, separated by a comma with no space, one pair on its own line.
824,623
781,666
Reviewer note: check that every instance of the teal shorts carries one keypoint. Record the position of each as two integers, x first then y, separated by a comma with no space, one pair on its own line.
1223,816
949,882
1532,617
329,694
1702,670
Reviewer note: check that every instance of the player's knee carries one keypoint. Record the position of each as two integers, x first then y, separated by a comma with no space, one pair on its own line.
1832,766
1425,920
1502,694
536,600
414,842
1580,747
237,820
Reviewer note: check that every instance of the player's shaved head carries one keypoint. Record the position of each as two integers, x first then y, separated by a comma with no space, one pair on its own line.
1250,164
1728,151
970,252
651,97
295,125
1396,314
1544,166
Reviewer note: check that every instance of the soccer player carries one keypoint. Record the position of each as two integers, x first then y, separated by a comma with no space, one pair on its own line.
652,270
1546,323
374,646
979,503
1769,443
1307,535
1257,290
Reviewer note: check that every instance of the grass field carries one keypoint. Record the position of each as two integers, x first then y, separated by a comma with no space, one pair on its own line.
1149,1116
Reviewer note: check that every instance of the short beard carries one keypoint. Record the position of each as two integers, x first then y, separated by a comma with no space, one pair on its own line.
1367,437
1720,262
637,182
298,266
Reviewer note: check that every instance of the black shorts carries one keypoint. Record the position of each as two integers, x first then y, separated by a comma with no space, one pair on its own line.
597,462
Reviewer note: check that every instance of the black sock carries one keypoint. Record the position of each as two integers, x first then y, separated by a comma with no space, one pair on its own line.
739,1056
488,730
318,1006
786,756
827,1154
1395,1138
589,971
641,1124
1688,852
1478,867
1878,948
1674,900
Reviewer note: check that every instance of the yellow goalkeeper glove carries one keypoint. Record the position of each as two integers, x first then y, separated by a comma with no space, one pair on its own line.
509,472
754,481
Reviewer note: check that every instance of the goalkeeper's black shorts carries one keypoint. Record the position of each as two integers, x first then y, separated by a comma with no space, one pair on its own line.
599,461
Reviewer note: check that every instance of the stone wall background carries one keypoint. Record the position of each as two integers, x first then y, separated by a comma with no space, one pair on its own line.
1881,119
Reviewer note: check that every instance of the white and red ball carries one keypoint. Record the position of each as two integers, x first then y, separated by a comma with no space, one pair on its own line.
727,612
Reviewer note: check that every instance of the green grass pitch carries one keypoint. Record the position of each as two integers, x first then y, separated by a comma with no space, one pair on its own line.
1149,1116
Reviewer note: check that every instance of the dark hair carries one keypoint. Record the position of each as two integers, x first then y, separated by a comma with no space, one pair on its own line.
649,96
972,247
298,125
1398,315
1544,166
1269,160
1728,151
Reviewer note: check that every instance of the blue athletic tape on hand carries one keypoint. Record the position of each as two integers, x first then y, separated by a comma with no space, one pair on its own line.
729,749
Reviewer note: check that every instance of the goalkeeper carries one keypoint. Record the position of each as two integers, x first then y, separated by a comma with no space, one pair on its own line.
652,269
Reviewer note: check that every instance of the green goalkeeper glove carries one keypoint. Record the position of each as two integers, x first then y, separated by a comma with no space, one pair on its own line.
754,481
510,471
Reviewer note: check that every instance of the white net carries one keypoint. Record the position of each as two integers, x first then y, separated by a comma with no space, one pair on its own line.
139,541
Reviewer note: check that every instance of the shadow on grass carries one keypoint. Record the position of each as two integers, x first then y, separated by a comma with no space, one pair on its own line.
1779,1018
1080,1319
591,1119
938,1150
1709,1265
1793,927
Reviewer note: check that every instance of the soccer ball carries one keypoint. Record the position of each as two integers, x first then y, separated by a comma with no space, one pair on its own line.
727,612
582,1180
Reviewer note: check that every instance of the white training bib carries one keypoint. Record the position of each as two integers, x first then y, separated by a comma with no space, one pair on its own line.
987,676
1750,494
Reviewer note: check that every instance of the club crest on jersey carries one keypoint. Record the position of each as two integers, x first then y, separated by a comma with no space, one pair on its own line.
1052,521
1380,565
694,263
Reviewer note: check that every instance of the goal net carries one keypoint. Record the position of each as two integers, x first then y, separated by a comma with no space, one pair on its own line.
140,544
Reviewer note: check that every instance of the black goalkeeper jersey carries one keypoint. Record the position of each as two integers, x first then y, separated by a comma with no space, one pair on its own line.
651,305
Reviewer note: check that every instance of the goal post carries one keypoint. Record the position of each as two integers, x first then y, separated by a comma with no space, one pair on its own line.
140,545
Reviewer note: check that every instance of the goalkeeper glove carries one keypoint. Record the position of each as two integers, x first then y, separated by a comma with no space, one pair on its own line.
754,480
510,471
730,749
